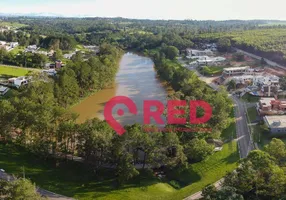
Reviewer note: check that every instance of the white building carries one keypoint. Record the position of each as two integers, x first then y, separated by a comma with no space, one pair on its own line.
31,48
14,44
22,80
193,52
235,70
3,90
50,72
276,123
257,80
68,56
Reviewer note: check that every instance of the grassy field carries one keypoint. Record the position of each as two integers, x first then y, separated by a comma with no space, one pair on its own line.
81,48
12,24
17,49
249,98
211,70
252,113
13,71
73,179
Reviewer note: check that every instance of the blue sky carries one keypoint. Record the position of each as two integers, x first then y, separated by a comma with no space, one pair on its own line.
153,9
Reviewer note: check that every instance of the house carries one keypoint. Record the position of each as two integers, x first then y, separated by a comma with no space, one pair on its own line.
3,90
276,123
58,64
245,79
205,62
271,106
257,80
14,44
68,56
50,72
31,48
235,70
270,90
22,80
193,52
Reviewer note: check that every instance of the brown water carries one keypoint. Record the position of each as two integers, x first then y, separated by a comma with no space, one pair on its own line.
136,79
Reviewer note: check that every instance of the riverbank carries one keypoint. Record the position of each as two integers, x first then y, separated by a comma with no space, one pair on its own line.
137,79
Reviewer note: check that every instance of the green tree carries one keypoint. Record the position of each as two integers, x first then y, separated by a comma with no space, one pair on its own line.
171,52
209,192
197,149
66,88
224,44
258,175
20,189
277,149
58,55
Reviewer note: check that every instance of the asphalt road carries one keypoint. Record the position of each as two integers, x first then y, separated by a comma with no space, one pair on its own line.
244,140
269,62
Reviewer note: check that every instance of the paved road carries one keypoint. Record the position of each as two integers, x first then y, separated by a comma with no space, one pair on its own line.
245,143
269,62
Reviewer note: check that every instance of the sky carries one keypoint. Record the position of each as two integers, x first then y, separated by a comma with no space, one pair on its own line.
153,9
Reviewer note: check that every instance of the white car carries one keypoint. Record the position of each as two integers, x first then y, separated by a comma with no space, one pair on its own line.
2,170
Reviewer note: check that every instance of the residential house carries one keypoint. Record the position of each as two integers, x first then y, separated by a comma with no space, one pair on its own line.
271,106
50,72
193,52
276,124
31,48
14,44
3,90
17,82
58,64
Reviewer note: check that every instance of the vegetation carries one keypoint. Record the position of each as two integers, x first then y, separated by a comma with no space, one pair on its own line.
77,180
259,176
211,70
252,114
13,71
37,121
250,98
18,190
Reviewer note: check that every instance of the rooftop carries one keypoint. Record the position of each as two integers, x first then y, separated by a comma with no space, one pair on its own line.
266,101
276,121
235,68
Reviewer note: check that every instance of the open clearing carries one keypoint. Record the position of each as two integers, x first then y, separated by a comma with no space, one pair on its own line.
13,71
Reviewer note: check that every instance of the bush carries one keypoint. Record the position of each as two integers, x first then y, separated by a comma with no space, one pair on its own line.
175,184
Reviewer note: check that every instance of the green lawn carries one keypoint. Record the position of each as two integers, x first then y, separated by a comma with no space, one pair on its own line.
13,71
252,114
250,98
17,50
211,70
73,179
208,171
12,24
81,48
